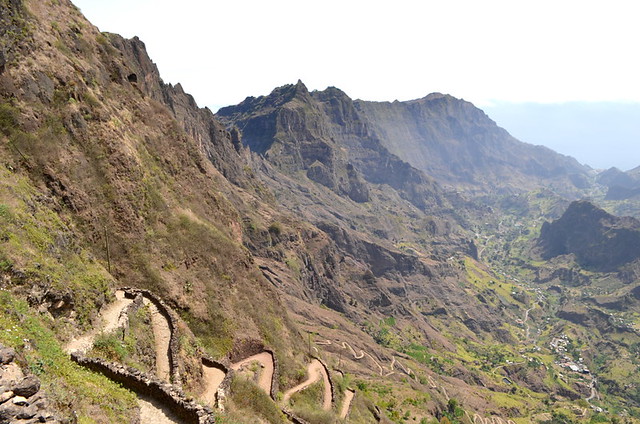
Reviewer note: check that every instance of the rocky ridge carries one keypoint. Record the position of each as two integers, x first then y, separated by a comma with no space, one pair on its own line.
599,240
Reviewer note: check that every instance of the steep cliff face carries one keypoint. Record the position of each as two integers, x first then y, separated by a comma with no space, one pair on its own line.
294,232
392,238
600,241
457,144
323,135
110,177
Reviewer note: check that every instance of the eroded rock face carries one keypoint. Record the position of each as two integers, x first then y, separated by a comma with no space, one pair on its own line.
322,134
20,396
599,240
456,143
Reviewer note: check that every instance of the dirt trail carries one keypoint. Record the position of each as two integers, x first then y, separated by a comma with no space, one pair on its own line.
594,392
213,377
153,412
362,354
527,328
112,318
348,397
265,359
109,320
162,337
316,372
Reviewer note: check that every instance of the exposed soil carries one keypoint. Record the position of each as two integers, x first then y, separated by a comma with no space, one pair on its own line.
162,337
109,321
266,374
153,412
213,377
316,372
348,397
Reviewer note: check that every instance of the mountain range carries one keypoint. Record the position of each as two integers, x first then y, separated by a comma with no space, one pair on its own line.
301,256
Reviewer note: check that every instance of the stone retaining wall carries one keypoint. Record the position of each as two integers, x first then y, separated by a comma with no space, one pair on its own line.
333,387
275,386
225,385
172,320
247,348
293,417
143,384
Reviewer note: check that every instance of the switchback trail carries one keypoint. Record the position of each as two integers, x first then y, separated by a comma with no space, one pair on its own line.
316,372
162,338
348,397
265,359
109,320
213,377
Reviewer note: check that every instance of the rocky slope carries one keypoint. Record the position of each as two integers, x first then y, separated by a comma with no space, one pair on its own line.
457,144
599,241
620,185
295,234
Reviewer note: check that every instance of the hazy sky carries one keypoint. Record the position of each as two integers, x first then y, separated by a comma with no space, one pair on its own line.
483,51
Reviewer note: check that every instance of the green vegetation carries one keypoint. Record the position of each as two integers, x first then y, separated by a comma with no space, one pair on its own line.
38,244
248,398
134,348
68,385
306,404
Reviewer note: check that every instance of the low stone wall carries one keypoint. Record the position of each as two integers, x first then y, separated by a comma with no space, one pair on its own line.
172,320
276,374
143,384
293,417
247,348
333,387
225,385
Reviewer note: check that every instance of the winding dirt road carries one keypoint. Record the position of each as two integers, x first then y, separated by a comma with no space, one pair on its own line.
265,359
316,372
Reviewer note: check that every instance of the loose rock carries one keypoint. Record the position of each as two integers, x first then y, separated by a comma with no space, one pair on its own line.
28,387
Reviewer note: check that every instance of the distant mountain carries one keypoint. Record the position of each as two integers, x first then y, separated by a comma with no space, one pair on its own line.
323,135
600,241
621,185
456,143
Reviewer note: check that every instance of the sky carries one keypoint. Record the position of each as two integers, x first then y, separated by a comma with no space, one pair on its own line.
490,52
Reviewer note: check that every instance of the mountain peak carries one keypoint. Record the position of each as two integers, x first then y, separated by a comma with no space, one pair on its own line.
600,241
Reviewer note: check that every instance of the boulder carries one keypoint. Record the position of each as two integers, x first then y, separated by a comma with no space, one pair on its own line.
28,387
7,355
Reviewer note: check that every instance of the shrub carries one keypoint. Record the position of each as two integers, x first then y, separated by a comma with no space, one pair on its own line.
275,228
246,395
